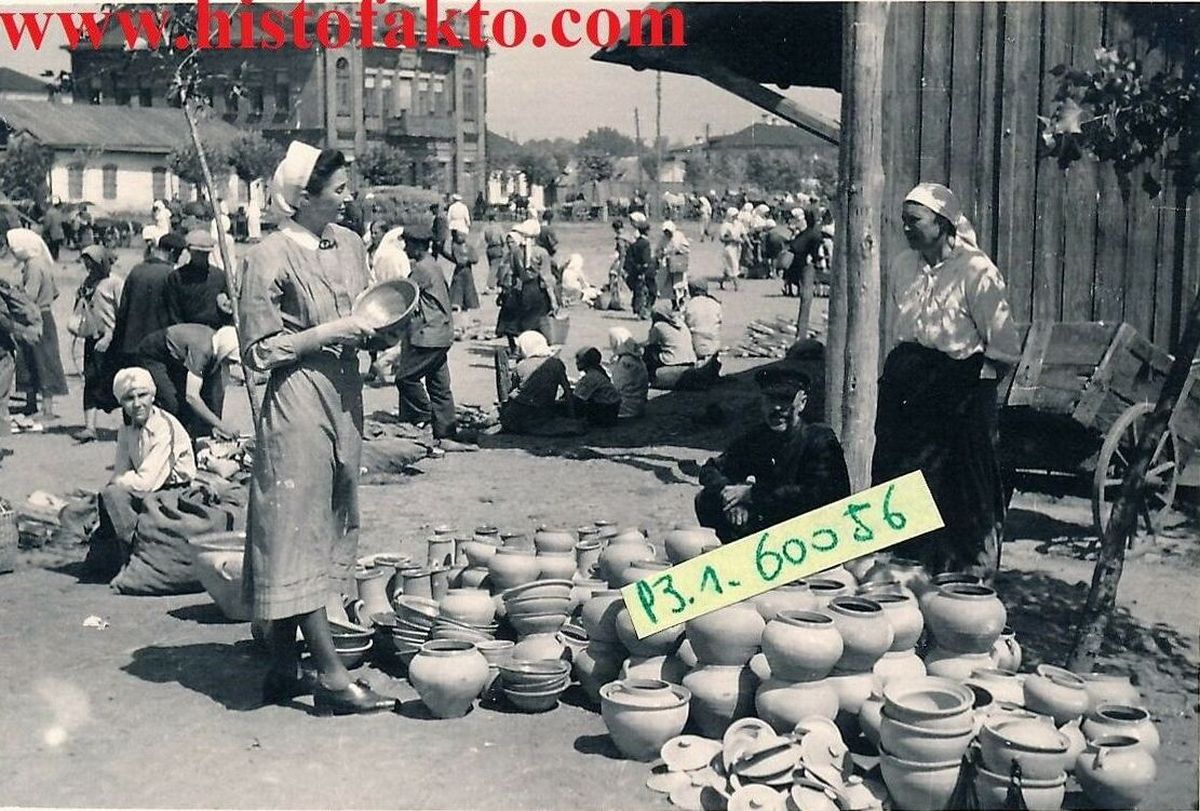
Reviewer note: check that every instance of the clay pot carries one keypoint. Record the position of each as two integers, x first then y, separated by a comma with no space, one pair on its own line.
516,540
1037,795
852,690
944,579
439,582
791,597
582,591
870,717
801,645
539,647
919,785
1042,751
556,565
470,606
684,542
662,643
860,566
866,632
1004,685
727,636
1122,719
661,668
587,558
622,551
440,551
929,702
839,573
642,568
642,715
473,578
721,694
513,567
1056,692
871,590
1109,688
1078,740
416,582
783,703
1006,652
898,664
372,591
904,615
597,665
605,530
1115,771
912,742
965,617
487,534
217,563
448,675
826,590
950,664
477,553
554,540
599,616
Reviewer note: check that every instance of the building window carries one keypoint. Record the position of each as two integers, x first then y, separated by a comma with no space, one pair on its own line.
404,91
342,78
256,103
146,97
370,94
110,181
75,181
387,92
470,94
283,96
158,182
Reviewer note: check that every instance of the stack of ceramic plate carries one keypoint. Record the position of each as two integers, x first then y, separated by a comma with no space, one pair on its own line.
415,617
535,686
540,607
448,628
352,643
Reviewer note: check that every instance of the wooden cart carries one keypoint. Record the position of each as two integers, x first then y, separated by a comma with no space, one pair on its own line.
1078,404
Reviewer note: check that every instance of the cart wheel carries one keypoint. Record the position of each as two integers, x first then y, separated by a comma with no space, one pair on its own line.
1162,476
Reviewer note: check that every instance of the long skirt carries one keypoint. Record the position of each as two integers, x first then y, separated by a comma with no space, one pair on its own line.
43,363
95,384
523,310
936,415
463,294
731,254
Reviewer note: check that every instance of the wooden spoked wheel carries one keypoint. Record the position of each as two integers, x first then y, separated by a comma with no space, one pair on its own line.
1162,476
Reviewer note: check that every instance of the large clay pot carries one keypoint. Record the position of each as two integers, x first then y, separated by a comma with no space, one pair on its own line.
1115,771
448,675
801,645
1074,733
930,702
966,617
1004,685
871,590
1122,719
621,551
662,668
556,565
597,665
372,590
904,615
440,551
721,694
919,785
641,715
217,563
512,567
860,566
472,606
641,568
1042,750
477,553
955,665
582,591
599,616
1056,692
473,578
870,717
866,632
1006,652
516,540
417,581
825,590
1036,795
912,742
554,540
605,530
944,579
539,647
1109,688
791,597
662,643
727,636
852,690
898,664
783,703
687,542
840,574
587,558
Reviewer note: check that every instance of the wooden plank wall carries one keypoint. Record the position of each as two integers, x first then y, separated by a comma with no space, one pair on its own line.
966,82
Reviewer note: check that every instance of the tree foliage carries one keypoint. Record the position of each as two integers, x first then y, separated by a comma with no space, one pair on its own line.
253,155
24,166
607,141
596,166
383,165
1117,111
543,161
184,161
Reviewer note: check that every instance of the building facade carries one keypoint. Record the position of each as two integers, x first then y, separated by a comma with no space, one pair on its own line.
428,103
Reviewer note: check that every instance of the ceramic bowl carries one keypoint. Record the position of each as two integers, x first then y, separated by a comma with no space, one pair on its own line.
354,657
416,609
538,686
930,702
1041,749
529,624
534,702
539,588
919,785
1039,795
537,605
923,745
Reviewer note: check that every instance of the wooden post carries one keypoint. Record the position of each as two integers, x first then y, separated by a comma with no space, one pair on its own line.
860,198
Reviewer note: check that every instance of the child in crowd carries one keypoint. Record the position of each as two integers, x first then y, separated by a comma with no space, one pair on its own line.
596,399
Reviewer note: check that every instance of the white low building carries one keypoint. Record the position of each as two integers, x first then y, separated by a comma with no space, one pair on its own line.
116,158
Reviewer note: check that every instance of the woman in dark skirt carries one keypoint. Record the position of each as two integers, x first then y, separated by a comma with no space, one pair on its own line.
99,295
527,285
43,363
463,295
937,396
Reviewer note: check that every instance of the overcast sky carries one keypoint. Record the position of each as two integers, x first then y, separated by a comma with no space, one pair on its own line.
548,92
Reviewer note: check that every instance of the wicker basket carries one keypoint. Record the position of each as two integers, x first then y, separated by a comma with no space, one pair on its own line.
9,536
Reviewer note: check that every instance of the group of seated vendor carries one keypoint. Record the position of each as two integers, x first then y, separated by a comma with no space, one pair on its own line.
685,338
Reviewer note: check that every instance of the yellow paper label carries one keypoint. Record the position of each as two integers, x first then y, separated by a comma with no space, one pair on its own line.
863,524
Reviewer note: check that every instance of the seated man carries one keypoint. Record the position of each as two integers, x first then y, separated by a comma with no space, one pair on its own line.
154,453
780,469
190,366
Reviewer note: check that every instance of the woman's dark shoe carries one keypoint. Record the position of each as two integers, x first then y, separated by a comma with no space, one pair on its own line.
279,689
355,699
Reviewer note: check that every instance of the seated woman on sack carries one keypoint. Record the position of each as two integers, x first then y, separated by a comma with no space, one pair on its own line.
595,399
670,354
628,372
154,453
533,406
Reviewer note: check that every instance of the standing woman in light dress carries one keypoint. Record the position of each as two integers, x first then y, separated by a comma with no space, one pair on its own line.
937,396
297,289
43,362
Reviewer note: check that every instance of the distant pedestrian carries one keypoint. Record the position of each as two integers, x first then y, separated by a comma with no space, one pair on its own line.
493,241
43,363
52,227
96,302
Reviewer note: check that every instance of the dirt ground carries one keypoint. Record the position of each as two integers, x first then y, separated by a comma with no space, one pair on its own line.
159,709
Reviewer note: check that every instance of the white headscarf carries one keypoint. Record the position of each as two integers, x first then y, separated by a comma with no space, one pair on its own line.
291,176
390,260
133,378
225,344
943,202
27,244
532,344
622,342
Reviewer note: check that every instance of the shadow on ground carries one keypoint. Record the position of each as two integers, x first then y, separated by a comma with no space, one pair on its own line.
230,675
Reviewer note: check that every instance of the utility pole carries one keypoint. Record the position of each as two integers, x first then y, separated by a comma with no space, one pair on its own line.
658,206
637,136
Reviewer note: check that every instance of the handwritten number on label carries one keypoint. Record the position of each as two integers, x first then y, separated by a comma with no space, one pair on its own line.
833,540
761,554
710,576
646,598
668,587
795,551
862,532
895,520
